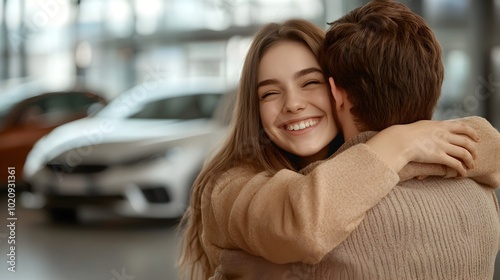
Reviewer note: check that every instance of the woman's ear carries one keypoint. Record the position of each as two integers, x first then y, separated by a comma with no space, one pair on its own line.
337,94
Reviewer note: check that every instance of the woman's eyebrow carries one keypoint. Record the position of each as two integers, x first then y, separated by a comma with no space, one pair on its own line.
306,71
267,82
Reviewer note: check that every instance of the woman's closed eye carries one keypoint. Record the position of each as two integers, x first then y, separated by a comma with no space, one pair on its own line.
267,94
312,82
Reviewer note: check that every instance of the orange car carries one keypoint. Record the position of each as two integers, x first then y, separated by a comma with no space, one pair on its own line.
23,122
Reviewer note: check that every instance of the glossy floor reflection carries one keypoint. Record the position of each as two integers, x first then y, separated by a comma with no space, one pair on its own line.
95,249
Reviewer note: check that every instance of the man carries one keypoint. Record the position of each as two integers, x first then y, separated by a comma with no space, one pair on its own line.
384,66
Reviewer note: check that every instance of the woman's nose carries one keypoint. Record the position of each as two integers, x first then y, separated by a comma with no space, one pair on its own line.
294,103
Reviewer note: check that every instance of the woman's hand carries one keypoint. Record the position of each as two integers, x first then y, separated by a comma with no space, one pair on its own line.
450,143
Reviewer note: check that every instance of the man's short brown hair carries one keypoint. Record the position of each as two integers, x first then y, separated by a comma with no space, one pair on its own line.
388,61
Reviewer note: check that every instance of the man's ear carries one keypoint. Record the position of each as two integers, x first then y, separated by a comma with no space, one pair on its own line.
337,94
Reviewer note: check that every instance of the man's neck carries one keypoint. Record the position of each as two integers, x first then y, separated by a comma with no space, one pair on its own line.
349,130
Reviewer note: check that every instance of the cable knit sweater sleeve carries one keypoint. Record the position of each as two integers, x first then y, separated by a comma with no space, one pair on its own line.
290,217
487,163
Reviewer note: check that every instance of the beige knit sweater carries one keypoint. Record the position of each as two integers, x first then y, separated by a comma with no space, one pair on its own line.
431,229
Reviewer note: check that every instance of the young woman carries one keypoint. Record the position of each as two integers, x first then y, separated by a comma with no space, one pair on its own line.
251,195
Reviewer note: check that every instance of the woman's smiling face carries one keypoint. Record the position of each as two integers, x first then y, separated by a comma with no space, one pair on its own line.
294,101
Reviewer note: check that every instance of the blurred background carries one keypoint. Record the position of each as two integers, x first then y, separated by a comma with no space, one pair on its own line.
89,81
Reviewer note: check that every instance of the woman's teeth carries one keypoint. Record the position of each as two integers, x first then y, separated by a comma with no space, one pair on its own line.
301,125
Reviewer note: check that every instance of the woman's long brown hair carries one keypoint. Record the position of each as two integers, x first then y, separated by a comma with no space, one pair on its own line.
246,143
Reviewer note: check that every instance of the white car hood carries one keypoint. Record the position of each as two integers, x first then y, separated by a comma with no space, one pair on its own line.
96,133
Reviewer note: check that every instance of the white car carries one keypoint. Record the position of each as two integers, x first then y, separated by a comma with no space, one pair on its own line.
138,156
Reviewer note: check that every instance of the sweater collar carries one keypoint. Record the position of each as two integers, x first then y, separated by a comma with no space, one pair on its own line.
363,137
